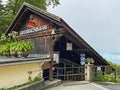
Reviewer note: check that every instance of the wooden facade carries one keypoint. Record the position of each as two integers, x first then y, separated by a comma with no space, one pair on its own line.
50,34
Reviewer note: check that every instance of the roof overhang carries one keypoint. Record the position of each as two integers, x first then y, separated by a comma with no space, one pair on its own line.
55,19
16,61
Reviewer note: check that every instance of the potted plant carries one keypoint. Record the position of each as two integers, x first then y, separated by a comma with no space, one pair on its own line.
23,48
90,60
1,53
6,41
10,45
13,51
5,49
12,39
4,45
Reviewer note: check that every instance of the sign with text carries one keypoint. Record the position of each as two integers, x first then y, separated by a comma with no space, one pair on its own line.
82,58
56,57
31,24
34,29
98,68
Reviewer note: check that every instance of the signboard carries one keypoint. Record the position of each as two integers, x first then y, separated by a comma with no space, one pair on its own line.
31,24
98,68
34,29
56,57
69,46
82,58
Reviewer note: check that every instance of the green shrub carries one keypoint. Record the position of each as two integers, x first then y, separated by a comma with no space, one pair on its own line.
112,77
109,78
36,79
106,77
98,76
11,88
118,80
2,89
11,45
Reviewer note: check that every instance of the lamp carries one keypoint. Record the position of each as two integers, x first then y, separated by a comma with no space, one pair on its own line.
31,17
53,32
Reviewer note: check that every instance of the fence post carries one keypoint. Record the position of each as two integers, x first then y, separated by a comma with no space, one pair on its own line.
88,72
115,75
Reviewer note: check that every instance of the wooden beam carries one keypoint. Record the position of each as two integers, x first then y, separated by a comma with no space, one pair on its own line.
15,22
77,50
45,16
73,40
42,34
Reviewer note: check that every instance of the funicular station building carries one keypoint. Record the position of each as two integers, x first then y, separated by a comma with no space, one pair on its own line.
55,39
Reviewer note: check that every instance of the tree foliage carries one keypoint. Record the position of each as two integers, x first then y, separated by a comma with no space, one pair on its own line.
14,5
116,67
5,21
5,18
1,9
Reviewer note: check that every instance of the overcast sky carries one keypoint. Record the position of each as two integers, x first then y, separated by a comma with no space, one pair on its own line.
96,21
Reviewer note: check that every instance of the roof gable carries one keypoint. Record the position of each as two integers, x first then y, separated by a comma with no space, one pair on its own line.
26,9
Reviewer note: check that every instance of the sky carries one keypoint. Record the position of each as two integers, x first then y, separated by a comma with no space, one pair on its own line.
96,21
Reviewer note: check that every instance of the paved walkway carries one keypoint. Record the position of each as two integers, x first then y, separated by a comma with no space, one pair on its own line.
78,85
110,86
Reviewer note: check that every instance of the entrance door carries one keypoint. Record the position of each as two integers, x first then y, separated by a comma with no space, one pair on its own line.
70,73
46,74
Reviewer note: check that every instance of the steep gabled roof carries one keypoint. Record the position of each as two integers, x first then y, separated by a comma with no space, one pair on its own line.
27,7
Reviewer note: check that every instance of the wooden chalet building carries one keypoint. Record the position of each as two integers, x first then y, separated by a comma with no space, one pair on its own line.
54,38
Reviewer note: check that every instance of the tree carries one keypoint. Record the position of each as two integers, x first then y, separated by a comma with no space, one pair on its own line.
115,66
5,21
5,18
14,5
0,1
1,8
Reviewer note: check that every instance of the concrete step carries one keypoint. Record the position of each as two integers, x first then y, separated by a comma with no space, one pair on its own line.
49,84
69,83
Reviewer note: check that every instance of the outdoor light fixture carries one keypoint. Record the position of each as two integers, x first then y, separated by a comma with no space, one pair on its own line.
53,32
31,17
